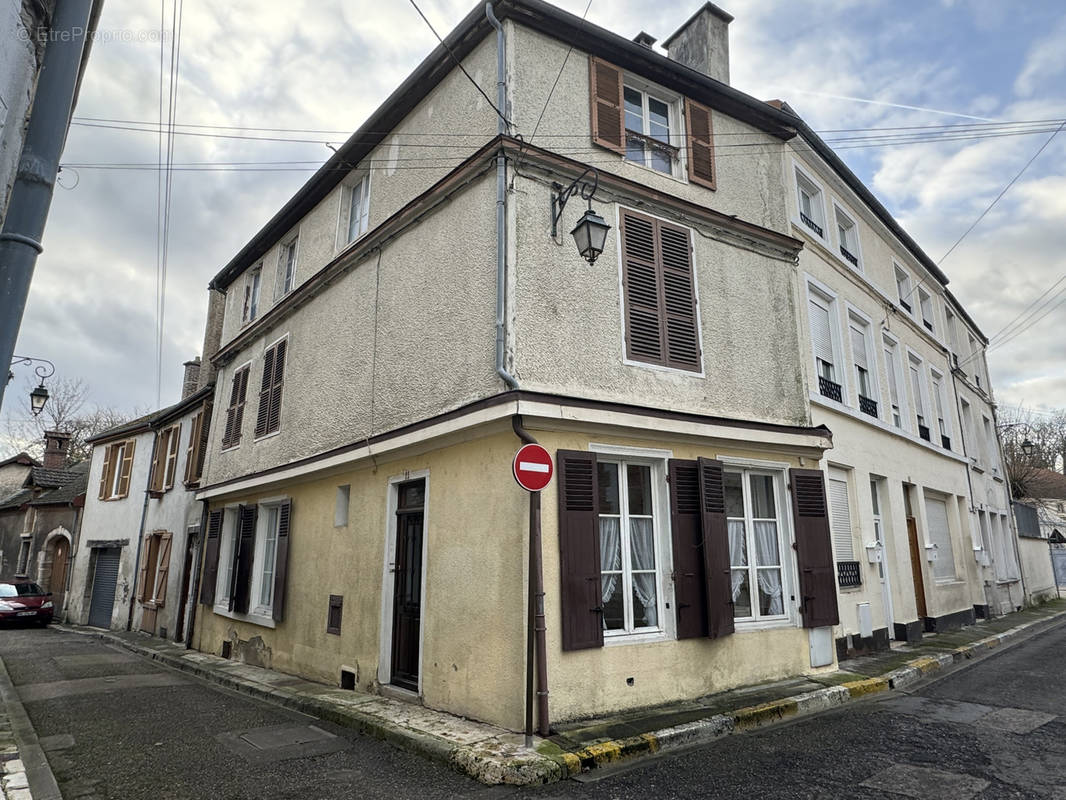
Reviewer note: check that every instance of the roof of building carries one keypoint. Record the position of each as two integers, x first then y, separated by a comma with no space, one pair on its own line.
152,419
1046,484
44,487
22,459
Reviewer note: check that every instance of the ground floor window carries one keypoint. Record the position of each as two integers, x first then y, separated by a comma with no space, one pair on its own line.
754,516
251,560
23,563
155,567
630,552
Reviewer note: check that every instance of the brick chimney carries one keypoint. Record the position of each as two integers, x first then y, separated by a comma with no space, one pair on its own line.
192,377
702,43
55,449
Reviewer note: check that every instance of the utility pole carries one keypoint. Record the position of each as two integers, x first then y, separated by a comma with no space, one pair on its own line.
31,194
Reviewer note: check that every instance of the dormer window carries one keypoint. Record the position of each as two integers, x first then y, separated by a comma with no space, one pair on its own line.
903,289
650,122
811,206
925,303
286,278
251,294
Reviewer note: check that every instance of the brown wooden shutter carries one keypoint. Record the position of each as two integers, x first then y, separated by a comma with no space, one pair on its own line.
715,548
336,610
164,569
679,298
263,411
243,556
579,550
127,467
659,293
700,144
105,473
281,564
205,431
192,449
608,117
274,415
155,477
235,413
641,285
142,573
814,549
211,543
171,466
690,585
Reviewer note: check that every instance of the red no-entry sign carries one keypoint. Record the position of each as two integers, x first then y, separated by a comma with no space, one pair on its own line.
532,467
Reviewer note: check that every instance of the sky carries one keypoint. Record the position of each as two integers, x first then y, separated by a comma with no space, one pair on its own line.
325,65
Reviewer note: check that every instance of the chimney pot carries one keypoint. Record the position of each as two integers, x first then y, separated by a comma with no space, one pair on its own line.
644,39
192,377
702,43
55,449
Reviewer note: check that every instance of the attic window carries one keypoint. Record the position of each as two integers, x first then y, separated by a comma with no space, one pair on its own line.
651,124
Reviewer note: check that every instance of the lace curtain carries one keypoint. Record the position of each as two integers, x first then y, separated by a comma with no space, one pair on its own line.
642,540
766,555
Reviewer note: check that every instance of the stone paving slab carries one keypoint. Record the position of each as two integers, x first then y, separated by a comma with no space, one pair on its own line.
494,756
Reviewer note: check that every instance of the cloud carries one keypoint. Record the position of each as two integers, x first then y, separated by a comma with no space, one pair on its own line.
1046,59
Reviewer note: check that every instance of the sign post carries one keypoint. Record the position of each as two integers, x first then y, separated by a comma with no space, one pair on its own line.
533,470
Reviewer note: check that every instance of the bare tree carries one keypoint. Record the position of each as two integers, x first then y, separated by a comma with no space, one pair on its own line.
1044,436
66,410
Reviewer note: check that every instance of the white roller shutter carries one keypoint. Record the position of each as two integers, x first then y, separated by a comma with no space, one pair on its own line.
821,335
858,348
936,516
840,520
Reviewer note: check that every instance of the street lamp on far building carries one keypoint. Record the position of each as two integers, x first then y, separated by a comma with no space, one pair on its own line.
44,369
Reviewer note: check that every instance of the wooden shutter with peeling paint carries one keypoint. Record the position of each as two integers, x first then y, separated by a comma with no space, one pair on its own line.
105,474
814,550
579,550
211,548
128,449
142,573
608,118
700,144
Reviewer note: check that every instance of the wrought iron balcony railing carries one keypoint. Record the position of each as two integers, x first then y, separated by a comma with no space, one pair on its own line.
810,223
867,406
830,389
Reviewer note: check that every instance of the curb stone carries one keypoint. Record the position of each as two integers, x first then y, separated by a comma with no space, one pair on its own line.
496,761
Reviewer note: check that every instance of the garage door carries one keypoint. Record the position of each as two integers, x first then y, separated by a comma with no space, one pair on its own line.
105,577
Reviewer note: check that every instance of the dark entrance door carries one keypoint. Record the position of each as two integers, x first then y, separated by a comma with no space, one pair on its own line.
407,584
186,577
916,568
57,583
105,576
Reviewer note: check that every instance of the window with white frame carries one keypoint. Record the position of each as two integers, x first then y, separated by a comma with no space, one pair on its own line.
286,278
821,310
903,288
840,527
953,335
23,564
969,431
266,553
757,540
227,542
925,303
936,515
630,550
358,208
918,397
940,401
811,204
257,585
847,237
879,530
865,365
652,120
895,381
251,294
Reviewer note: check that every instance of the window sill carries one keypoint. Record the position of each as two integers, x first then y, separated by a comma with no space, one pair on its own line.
645,167
752,626
807,231
629,362
949,582
231,448
265,436
255,619
644,637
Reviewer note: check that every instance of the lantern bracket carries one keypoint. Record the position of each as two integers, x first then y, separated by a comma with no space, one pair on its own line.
585,188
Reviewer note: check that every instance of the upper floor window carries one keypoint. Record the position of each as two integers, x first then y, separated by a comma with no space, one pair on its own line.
659,293
940,401
645,124
865,365
359,208
903,288
895,381
231,435
116,470
925,303
286,277
165,459
821,310
811,205
847,238
919,397
196,452
268,417
251,294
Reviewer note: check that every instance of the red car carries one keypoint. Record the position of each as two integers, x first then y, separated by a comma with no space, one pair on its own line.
25,601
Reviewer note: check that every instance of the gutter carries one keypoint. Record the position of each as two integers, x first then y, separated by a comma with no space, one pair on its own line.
501,204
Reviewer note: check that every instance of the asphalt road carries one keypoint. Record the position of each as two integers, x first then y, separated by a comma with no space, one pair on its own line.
118,726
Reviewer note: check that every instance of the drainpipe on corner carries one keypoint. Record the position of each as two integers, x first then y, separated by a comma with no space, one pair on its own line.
536,647
140,535
501,205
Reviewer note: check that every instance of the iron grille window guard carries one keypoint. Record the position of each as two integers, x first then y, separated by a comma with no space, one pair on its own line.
867,406
923,431
830,389
848,574
905,304
810,223
945,442
854,259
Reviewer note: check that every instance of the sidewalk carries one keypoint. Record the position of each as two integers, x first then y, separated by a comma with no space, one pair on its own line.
493,755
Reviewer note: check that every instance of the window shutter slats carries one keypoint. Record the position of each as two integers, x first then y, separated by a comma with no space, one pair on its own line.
164,570
105,471
700,144
126,468
211,547
235,413
281,564
579,550
244,552
155,478
264,393
274,414
858,348
142,573
821,336
679,299
814,551
172,456
205,430
690,583
644,325
608,121
193,446
840,520
715,548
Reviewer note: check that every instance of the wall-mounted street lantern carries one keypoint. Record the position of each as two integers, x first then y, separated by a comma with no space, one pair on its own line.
1028,447
44,369
590,233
